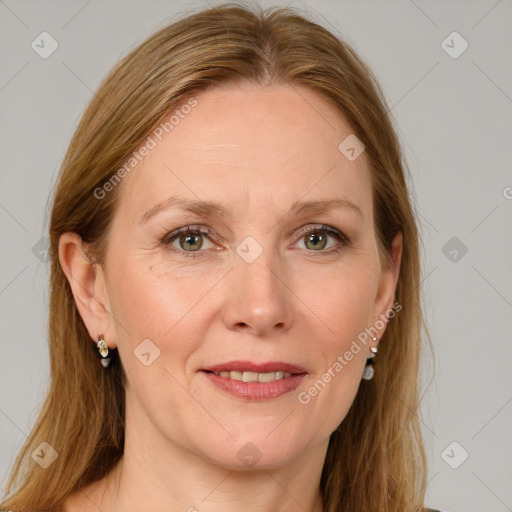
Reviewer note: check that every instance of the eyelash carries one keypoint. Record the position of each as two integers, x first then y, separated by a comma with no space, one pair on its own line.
169,238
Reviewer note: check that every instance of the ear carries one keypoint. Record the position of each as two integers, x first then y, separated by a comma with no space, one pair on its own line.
87,282
389,277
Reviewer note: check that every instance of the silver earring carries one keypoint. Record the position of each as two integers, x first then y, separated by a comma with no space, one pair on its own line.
104,352
369,370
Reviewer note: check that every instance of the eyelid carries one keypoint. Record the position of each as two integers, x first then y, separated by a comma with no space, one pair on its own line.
321,227
203,230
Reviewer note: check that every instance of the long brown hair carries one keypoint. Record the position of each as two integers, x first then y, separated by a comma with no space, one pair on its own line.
376,459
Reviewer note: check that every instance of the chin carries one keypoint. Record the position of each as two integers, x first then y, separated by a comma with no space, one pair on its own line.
253,452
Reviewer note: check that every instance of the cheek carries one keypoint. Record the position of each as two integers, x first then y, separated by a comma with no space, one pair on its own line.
150,298
343,300
344,303
156,327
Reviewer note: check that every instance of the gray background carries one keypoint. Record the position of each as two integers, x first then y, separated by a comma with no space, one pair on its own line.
454,119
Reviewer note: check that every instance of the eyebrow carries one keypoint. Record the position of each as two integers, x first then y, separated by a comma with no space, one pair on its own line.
207,209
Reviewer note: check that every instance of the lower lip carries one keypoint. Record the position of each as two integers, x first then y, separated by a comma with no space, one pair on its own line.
255,390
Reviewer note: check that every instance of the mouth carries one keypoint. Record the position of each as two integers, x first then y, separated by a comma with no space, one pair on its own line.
252,376
255,381
247,371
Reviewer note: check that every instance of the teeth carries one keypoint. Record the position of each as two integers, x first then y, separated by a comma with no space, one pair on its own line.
254,377
250,377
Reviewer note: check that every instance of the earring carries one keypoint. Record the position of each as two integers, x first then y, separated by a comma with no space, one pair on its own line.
104,351
369,367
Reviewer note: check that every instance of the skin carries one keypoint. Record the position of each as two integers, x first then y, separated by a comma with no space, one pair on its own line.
256,150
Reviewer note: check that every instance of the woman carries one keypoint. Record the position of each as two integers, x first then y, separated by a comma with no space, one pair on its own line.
235,317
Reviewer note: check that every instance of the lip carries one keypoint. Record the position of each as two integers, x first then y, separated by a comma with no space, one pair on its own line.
248,366
255,391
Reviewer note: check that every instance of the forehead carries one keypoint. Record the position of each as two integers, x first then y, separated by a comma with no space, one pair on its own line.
250,145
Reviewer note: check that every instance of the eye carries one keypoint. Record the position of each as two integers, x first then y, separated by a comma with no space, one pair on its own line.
188,240
316,238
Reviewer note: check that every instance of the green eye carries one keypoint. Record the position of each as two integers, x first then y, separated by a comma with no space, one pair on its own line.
318,241
191,241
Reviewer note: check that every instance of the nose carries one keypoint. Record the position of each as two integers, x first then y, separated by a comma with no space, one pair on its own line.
258,298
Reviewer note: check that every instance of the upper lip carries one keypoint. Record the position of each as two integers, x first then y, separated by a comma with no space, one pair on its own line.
248,366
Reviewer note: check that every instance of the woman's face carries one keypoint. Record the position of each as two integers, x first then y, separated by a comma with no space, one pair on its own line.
253,290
